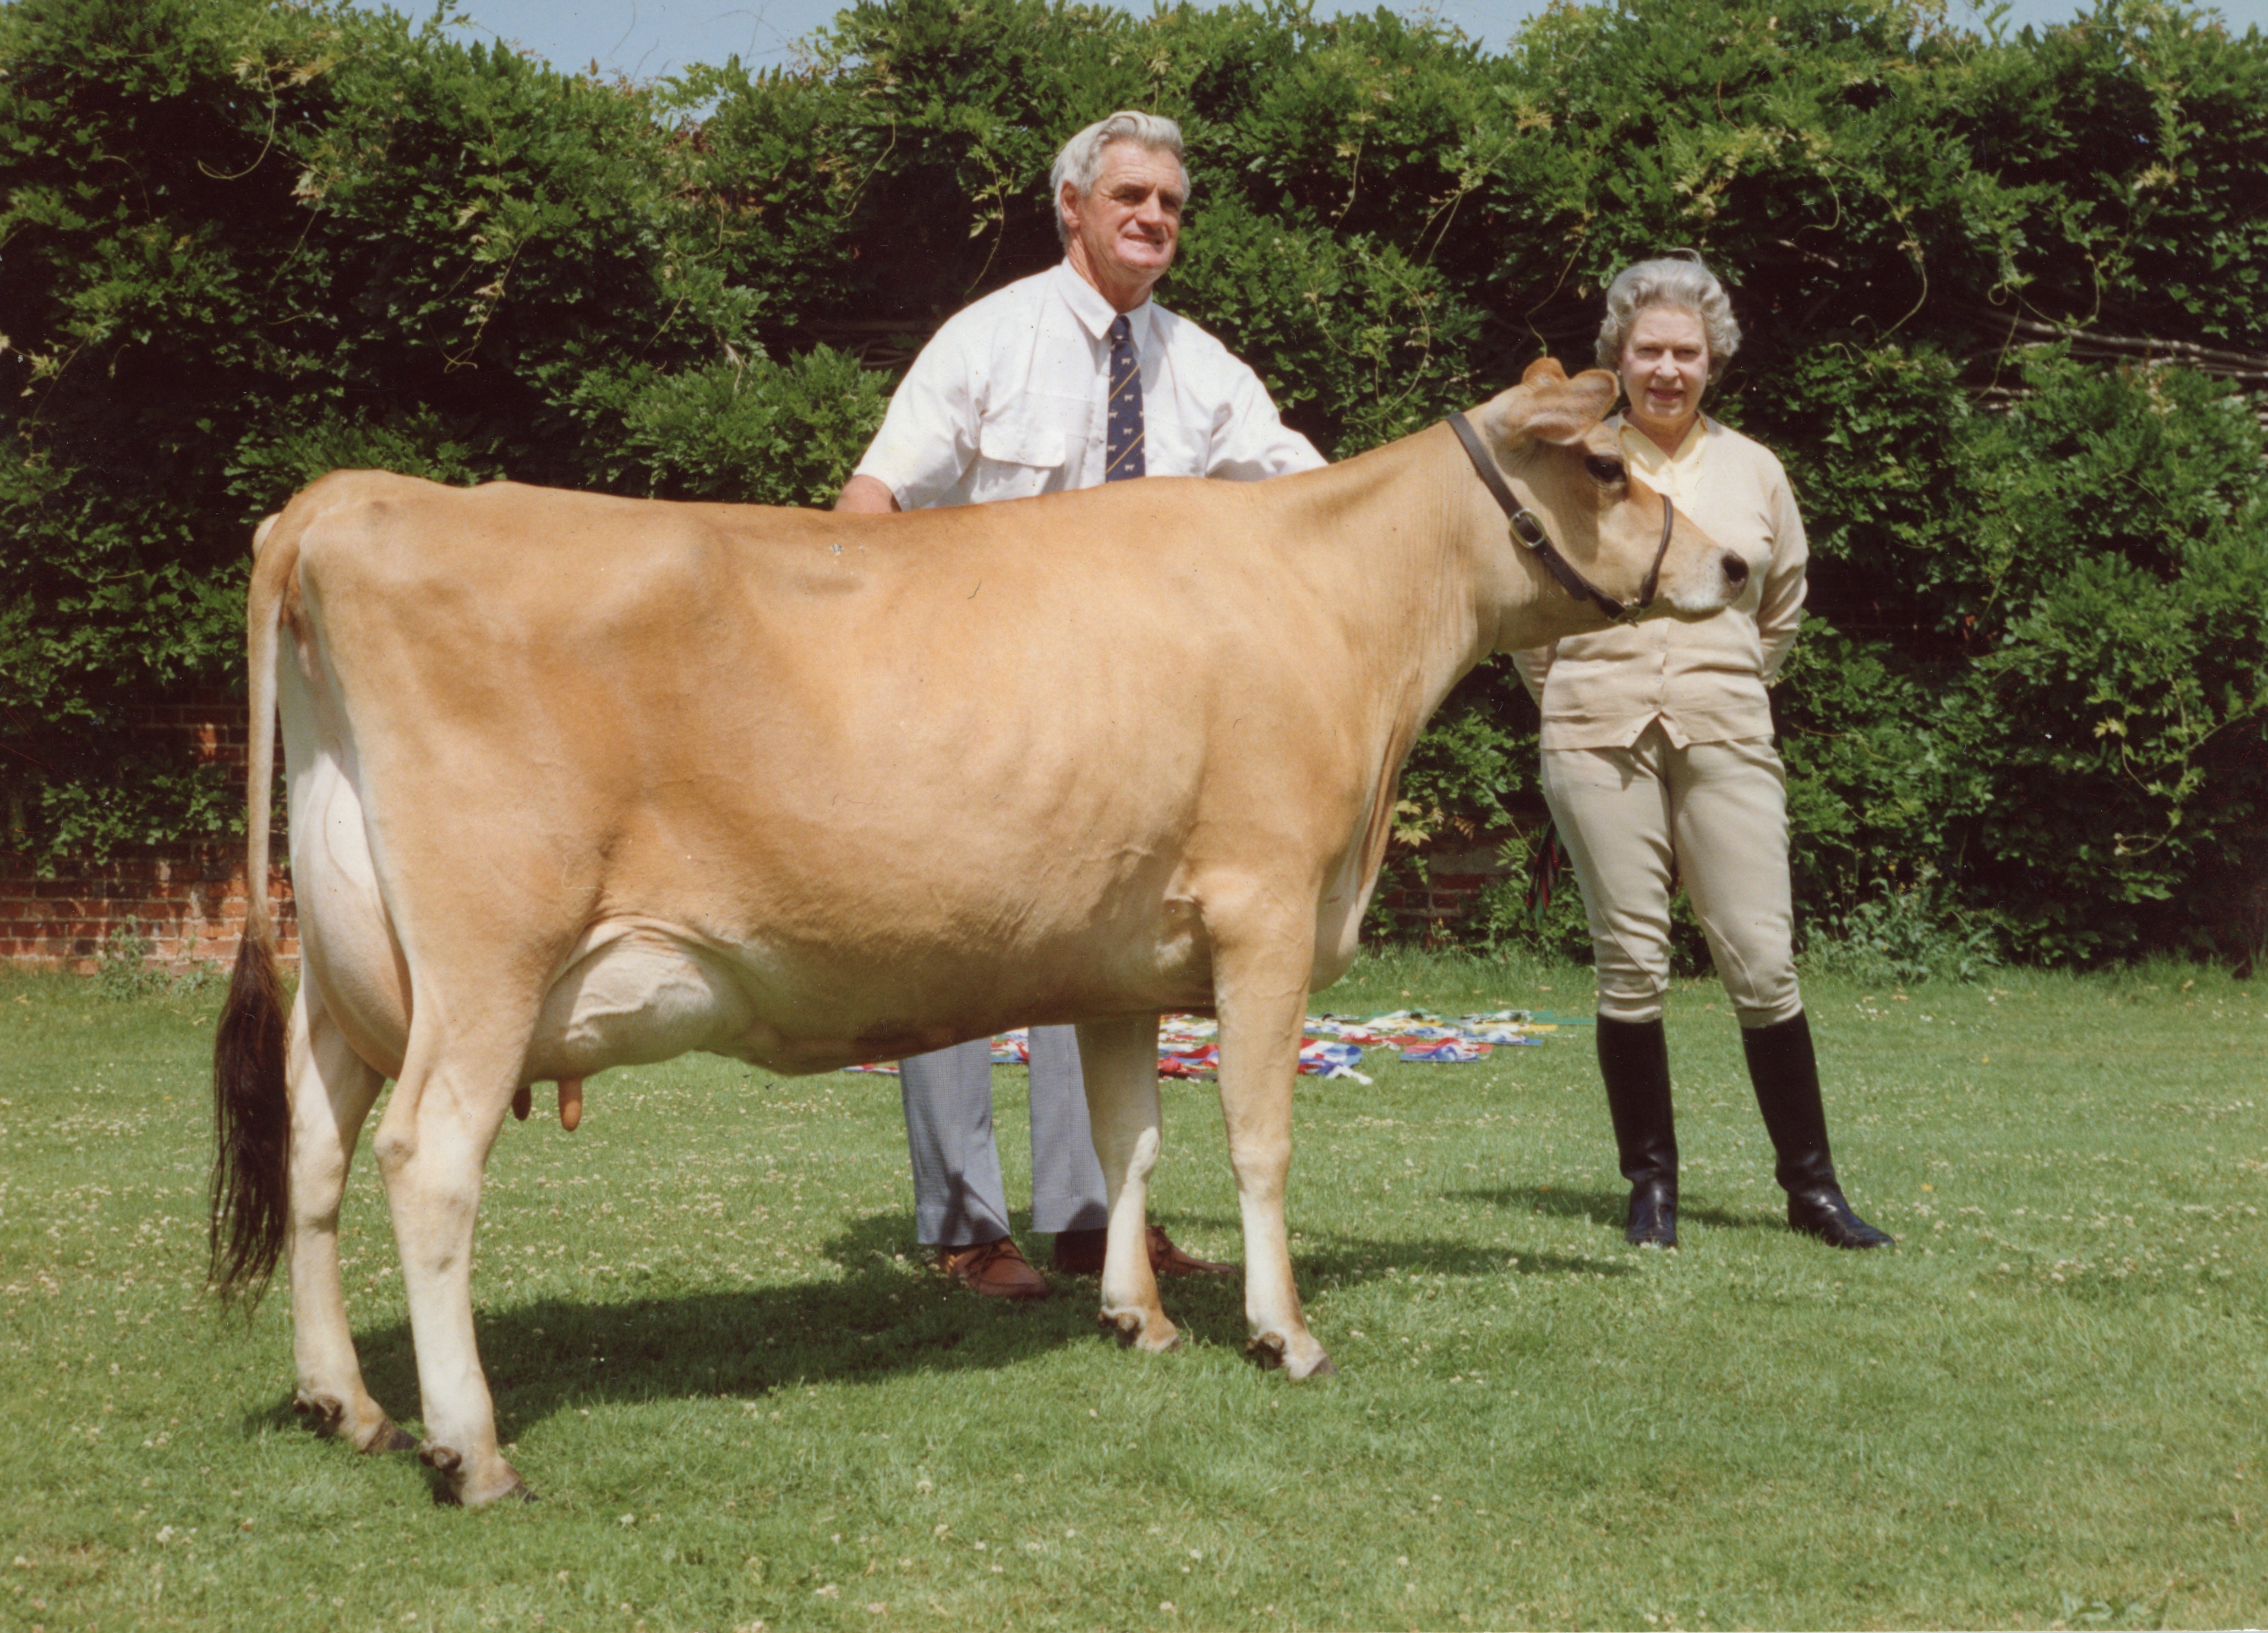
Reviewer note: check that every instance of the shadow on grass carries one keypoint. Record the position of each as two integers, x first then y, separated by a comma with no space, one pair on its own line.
1607,1207
885,1315
881,1315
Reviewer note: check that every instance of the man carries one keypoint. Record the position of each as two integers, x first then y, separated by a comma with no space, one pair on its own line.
1063,380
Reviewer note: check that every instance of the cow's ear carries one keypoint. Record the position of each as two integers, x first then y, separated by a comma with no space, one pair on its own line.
1551,407
1542,369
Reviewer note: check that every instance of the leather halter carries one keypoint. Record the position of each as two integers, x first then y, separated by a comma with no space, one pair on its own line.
1530,532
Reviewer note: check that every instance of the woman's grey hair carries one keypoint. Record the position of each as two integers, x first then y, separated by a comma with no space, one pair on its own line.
1080,162
1685,283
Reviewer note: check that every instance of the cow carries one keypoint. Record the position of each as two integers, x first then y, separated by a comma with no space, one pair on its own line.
577,781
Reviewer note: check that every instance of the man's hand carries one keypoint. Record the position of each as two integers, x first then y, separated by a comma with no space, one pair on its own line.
865,496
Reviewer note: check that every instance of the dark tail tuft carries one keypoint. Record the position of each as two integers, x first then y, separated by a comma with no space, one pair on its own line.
252,1124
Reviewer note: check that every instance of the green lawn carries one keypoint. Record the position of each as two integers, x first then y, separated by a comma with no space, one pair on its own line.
744,1400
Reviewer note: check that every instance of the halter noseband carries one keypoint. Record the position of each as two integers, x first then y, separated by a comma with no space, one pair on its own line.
1530,532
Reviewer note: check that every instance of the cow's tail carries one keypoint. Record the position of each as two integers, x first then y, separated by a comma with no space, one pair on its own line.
252,1114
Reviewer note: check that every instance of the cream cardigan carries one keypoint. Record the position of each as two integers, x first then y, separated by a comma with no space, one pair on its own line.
1704,681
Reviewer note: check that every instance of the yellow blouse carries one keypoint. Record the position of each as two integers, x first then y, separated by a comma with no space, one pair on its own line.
1704,681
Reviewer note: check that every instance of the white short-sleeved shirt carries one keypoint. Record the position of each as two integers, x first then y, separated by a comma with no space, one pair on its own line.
1008,400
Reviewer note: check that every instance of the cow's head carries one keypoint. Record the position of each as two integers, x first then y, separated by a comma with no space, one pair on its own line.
1567,473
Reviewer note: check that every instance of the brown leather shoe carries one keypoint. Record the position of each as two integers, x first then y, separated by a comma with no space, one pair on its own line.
1080,1253
996,1269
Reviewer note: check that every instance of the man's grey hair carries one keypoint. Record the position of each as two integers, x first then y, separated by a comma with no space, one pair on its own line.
1080,162
1681,282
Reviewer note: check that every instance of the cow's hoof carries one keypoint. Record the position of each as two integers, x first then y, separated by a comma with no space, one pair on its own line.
328,1416
388,1438
458,1487
1136,1330
447,1495
506,1485
1300,1360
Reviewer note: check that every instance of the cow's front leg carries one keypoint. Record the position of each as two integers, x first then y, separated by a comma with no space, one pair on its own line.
331,1090
432,1144
1261,996
1119,1061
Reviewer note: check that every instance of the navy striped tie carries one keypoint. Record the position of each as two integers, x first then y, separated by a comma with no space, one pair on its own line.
1124,446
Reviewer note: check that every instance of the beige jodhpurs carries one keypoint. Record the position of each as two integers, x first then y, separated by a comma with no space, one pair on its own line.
1719,810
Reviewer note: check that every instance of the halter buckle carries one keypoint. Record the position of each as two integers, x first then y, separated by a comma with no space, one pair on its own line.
1530,532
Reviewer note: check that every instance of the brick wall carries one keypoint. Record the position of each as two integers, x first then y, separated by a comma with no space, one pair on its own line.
205,725
1452,873
187,900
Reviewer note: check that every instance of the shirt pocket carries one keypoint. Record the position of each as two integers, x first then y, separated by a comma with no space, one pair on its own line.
1168,447
1035,444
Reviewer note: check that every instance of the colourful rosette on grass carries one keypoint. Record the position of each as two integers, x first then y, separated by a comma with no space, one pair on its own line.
1012,1048
1448,1052
1328,1058
1191,1060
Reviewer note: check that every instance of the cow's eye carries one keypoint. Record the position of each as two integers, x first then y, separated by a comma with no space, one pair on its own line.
1603,467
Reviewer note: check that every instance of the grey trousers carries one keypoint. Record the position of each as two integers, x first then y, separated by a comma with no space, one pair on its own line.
959,1197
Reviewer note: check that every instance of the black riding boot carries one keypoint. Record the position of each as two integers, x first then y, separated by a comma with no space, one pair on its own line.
1634,1059
1786,1071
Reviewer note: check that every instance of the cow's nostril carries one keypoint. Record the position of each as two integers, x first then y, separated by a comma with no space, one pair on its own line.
1737,570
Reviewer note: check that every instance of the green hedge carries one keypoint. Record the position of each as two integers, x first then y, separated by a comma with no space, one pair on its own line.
243,243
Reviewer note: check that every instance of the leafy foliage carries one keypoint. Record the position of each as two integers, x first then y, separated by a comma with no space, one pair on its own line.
2128,537
241,244
1904,938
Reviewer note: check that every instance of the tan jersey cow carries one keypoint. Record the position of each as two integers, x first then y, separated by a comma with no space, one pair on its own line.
578,781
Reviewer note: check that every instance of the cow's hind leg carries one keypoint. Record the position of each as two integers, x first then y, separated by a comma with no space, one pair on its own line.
432,1145
1119,1061
1261,995
331,1091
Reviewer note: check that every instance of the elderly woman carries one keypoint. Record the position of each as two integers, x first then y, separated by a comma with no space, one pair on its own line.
1658,764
